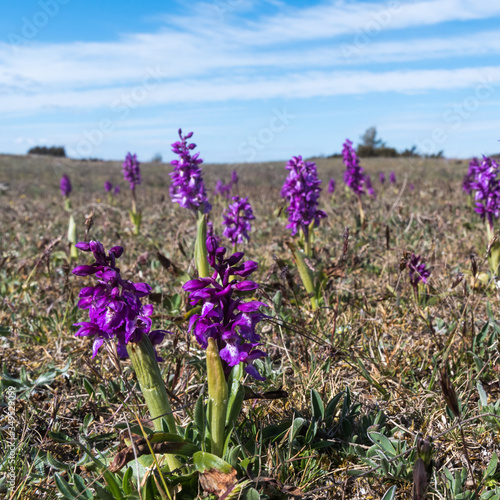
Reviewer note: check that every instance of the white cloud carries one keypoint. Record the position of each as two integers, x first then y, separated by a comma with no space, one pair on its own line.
287,86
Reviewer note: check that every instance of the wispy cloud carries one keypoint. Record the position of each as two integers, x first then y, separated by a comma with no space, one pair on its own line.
288,86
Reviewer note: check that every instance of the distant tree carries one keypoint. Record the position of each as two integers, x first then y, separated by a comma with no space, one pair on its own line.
371,146
44,150
157,158
369,139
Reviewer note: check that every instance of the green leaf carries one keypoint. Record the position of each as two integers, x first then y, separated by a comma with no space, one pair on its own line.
205,461
331,407
82,487
317,406
113,485
482,394
390,494
102,493
252,494
236,395
311,432
199,414
383,442
56,464
127,489
60,437
492,467
63,486
88,387
295,428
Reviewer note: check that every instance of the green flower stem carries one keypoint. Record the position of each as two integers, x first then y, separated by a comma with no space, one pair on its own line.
73,252
361,211
308,238
306,275
148,373
200,249
494,254
135,215
217,398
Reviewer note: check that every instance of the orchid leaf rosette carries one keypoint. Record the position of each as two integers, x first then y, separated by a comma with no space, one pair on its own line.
188,190
226,327
118,316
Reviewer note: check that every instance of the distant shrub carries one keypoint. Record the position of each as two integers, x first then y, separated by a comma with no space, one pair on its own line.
44,150
370,151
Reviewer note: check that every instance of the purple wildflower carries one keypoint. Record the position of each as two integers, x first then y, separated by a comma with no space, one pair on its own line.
114,304
116,190
234,178
222,190
369,187
302,190
212,234
353,176
392,178
487,189
65,185
187,188
224,316
237,219
108,186
331,186
417,271
131,171
469,178
381,177
412,186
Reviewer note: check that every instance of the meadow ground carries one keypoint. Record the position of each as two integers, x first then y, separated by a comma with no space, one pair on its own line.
362,374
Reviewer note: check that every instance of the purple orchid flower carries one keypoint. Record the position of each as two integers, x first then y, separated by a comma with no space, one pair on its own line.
65,185
302,189
237,219
187,188
417,270
131,170
114,304
331,186
224,316
354,175
484,182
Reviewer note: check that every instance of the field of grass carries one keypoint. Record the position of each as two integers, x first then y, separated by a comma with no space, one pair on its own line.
350,387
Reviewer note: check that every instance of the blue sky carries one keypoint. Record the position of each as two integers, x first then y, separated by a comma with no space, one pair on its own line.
255,80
